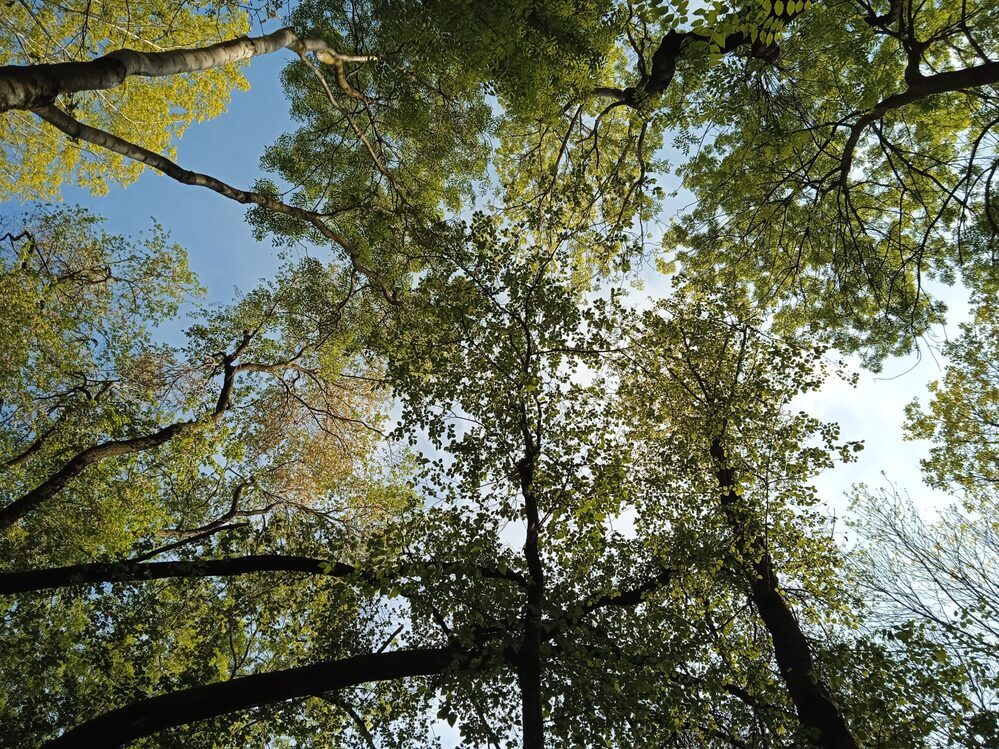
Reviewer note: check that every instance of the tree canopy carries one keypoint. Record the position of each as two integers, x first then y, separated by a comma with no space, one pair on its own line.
451,464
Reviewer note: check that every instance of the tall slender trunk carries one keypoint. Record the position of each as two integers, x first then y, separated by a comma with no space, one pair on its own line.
816,708
530,666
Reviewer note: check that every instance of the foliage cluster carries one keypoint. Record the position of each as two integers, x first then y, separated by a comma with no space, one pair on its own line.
463,467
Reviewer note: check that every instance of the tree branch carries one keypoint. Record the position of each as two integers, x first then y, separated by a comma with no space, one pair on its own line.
76,465
134,571
146,717
116,448
920,87
667,56
33,86
130,571
634,596
76,129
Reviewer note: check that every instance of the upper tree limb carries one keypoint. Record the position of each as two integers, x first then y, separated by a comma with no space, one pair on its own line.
32,86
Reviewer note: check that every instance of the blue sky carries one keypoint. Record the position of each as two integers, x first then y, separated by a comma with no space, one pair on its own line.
221,247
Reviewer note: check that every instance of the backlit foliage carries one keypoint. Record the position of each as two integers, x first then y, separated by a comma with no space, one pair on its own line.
35,159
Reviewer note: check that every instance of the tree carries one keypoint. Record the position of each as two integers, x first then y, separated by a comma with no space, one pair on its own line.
258,413
591,524
862,164
654,626
934,579
719,390
931,589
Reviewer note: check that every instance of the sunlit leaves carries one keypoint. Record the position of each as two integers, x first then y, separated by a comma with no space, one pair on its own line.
845,252
35,159
962,417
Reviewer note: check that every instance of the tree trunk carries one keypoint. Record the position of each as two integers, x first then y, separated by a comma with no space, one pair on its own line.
529,663
816,708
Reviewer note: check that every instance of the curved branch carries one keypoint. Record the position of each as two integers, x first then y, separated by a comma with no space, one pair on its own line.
146,717
76,129
667,56
921,87
116,448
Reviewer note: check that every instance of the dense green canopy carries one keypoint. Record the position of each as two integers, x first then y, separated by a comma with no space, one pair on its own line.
465,476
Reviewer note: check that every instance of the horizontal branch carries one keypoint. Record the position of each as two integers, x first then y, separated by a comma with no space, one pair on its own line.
633,596
22,581
146,717
130,571
32,86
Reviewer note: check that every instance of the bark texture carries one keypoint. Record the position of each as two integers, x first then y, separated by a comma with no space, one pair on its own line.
33,86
